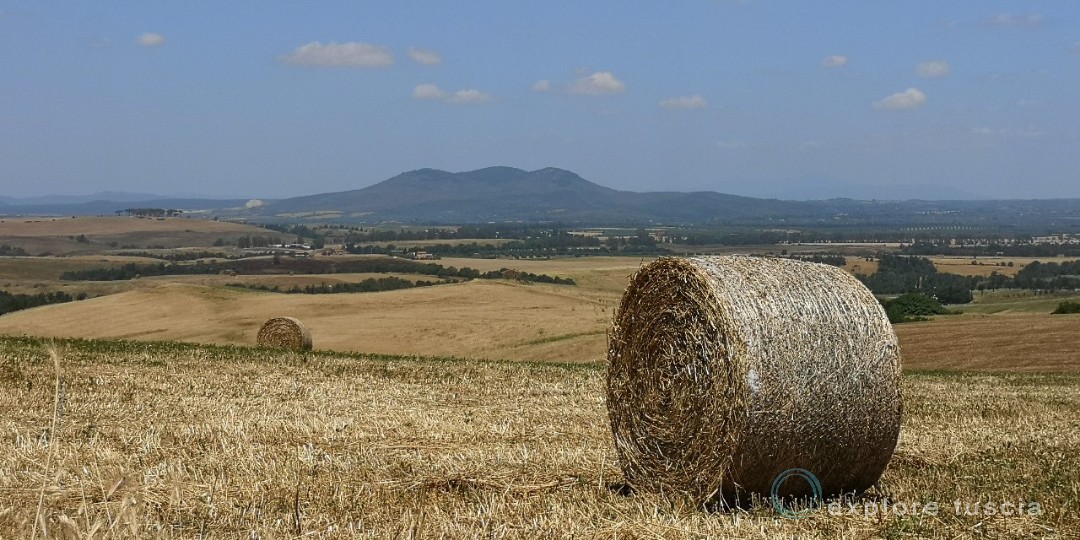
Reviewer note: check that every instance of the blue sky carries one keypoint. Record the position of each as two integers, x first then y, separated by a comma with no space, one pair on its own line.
761,97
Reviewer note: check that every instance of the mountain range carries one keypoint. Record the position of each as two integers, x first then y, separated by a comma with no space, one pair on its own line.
499,194
509,194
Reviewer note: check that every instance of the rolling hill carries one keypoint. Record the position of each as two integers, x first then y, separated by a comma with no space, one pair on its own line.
509,194
502,194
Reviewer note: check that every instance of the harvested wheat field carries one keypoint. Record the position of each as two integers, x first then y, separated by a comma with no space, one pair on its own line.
1005,342
58,236
479,319
487,319
176,440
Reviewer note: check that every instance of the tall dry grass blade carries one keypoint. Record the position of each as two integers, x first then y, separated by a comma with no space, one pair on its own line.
54,354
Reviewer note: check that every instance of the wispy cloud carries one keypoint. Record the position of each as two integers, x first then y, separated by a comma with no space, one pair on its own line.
352,54
834,61
543,85
933,69
428,91
1012,20
461,97
912,98
152,39
466,97
685,102
598,84
426,57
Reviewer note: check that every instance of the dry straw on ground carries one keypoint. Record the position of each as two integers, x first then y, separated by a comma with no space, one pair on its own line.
726,371
285,332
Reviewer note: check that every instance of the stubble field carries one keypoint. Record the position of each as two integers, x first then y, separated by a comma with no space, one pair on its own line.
170,440
465,410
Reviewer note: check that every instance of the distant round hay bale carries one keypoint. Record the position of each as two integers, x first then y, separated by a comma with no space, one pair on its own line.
285,332
725,372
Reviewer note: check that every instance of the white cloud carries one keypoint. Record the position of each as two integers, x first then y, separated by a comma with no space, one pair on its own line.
151,39
834,61
426,57
543,85
686,102
461,97
1010,20
350,54
471,96
912,98
733,144
428,91
598,84
933,69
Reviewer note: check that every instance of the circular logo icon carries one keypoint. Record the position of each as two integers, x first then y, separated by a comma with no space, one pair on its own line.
778,500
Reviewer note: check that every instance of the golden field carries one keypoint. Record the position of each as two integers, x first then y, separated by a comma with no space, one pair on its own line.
58,235
466,410
108,439
500,319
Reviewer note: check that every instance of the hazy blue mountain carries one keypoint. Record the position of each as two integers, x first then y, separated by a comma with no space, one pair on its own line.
498,194
813,188
509,194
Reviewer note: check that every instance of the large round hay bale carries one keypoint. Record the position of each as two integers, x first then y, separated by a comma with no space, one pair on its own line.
285,332
725,372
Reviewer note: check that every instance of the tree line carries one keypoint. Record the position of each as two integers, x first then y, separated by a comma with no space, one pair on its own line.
899,274
390,283
12,251
305,266
14,302
993,249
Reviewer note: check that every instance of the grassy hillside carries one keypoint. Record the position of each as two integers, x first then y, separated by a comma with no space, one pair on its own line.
174,440
496,319
487,319
88,235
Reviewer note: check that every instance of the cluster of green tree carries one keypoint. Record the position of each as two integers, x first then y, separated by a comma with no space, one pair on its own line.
134,270
912,307
506,273
489,231
899,274
833,260
304,266
248,241
12,251
368,285
1067,307
179,255
14,302
1050,276
538,247
150,212
730,238
1026,249
303,233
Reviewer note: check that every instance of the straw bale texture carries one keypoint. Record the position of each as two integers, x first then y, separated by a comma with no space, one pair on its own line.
285,332
726,371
